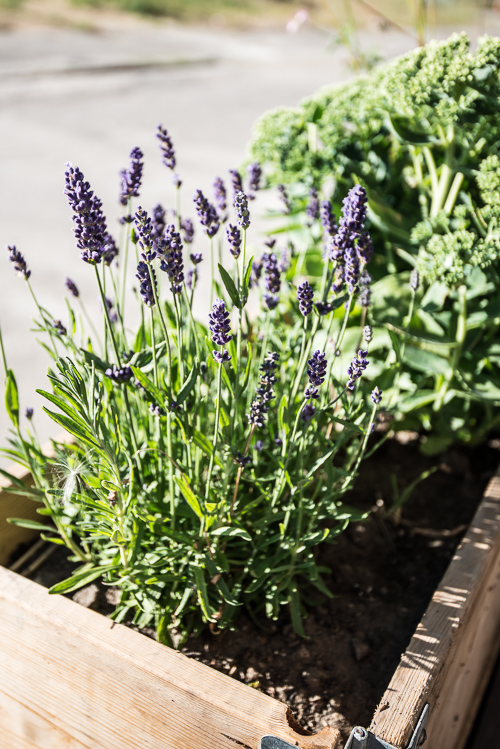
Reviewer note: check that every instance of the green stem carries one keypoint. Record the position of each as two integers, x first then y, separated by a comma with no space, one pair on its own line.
352,473
153,342
216,431
460,337
44,320
2,349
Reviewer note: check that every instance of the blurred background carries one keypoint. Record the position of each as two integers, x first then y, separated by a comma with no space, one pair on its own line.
87,80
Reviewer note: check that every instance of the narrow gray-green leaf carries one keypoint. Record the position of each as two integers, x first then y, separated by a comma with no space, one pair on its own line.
230,287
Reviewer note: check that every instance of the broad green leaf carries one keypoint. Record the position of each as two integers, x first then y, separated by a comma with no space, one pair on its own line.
79,580
435,297
188,385
149,385
232,532
12,398
407,131
230,287
189,496
202,594
395,344
426,361
418,401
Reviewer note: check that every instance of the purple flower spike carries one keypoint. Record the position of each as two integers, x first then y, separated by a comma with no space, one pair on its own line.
234,238
351,227
191,278
207,214
264,393
327,217
356,368
172,263
365,295
241,208
144,229
119,375
59,327
316,374
220,196
109,250
284,197
29,413
376,395
254,173
72,287
414,280
131,178
166,147
221,356
219,323
90,224
307,413
20,265
367,333
158,217
236,180
323,308
146,288
364,248
272,279
305,296
187,230
312,209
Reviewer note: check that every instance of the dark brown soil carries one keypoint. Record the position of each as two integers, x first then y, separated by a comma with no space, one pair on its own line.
384,572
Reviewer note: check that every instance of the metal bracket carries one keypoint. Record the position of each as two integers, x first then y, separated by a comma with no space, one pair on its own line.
360,738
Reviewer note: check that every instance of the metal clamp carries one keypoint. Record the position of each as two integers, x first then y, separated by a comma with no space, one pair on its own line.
360,738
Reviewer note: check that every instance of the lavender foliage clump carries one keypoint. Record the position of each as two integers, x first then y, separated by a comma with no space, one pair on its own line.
20,265
241,208
90,224
356,368
234,239
131,178
264,394
305,296
166,147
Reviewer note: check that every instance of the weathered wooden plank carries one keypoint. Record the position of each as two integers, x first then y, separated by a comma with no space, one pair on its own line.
104,686
15,506
450,657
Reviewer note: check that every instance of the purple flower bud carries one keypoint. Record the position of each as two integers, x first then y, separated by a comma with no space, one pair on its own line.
264,394
270,242
207,214
188,230
414,280
144,230
272,279
356,368
234,238
109,250
166,147
191,278
221,356
59,327
278,442
90,224
364,248
376,395
365,293
131,177
328,220
305,297
158,217
146,287
259,445
119,375
351,226
254,173
219,323
323,308
284,197
220,196
177,182
242,460
236,181
307,413
29,413
368,333
316,371
241,208
113,315
20,265
156,410
312,209
196,257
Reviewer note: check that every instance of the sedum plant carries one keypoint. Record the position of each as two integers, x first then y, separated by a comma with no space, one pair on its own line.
421,135
207,458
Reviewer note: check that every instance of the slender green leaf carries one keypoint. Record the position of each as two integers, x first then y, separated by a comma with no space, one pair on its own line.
232,532
189,495
12,398
80,579
32,524
230,287
72,427
246,277
202,594
149,385
188,385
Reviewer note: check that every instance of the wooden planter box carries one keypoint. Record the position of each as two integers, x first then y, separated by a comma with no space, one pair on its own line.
71,679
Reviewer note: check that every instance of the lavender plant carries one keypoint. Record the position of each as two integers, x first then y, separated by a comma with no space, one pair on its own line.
208,458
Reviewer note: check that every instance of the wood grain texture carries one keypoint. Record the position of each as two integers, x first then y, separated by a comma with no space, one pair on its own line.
15,506
453,651
75,677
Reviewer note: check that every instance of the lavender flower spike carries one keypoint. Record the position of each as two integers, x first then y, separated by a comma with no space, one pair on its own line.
284,197
264,393
241,208
305,297
316,374
172,262
356,368
166,147
327,217
29,413
144,228
414,280
90,225
20,265
236,180
132,177
312,209
234,238
220,329
188,230
72,287
220,196
146,288
273,280
376,395
254,172
207,214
